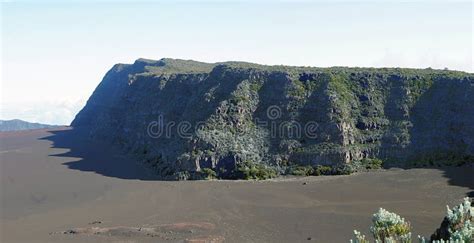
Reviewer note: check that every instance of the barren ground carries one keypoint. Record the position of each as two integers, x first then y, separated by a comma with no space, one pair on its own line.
57,186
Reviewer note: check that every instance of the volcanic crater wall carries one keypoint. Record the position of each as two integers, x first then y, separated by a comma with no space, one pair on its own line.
182,116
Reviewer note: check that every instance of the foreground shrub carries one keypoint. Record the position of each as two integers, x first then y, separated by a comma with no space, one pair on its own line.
387,227
359,238
460,221
457,227
390,227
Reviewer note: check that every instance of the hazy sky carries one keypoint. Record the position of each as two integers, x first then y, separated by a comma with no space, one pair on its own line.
54,54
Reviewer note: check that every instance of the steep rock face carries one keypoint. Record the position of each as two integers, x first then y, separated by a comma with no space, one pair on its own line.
183,116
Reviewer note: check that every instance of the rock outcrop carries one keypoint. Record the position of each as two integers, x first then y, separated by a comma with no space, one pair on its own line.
183,116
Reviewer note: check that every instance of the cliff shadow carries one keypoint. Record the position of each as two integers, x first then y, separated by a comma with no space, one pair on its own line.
461,176
98,157
442,132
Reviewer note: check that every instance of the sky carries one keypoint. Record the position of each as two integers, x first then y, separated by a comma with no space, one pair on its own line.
54,54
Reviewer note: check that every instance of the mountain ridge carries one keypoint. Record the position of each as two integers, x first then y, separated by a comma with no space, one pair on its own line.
394,114
19,125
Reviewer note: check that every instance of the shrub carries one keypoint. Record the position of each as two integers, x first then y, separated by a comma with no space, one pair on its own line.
183,175
460,225
255,87
345,169
301,170
359,238
323,170
309,170
391,228
372,164
208,173
358,165
248,170
386,227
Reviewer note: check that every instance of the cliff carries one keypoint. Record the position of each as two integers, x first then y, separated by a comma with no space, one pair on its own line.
184,116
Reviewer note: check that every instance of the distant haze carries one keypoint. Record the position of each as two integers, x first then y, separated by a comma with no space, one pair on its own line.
19,125
55,54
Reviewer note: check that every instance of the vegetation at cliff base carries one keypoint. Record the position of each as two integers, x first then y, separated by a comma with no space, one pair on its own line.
248,170
309,170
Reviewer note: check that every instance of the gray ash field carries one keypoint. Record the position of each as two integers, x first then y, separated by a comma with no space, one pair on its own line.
59,186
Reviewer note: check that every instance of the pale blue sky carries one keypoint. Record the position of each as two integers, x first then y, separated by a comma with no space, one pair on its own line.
55,54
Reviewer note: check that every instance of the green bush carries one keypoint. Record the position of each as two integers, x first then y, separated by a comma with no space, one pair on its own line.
255,87
359,238
345,169
372,164
248,171
309,170
386,227
301,170
323,170
208,173
391,228
319,170
461,225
